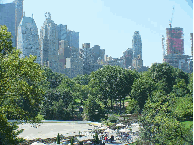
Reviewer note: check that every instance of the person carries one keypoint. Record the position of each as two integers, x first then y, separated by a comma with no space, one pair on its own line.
112,138
105,138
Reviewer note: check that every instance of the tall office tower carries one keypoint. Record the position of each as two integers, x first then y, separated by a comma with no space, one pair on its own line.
128,57
137,61
11,15
64,50
49,43
191,38
137,45
95,53
62,32
74,62
28,38
87,56
73,43
102,54
175,41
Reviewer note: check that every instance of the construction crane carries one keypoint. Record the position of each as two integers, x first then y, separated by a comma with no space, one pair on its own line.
170,21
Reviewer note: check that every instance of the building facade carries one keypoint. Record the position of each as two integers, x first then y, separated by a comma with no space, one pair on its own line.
49,43
11,15
128,57
137,61
137,45
28,38
175,41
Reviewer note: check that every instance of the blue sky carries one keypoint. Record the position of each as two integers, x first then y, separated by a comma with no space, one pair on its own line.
112,23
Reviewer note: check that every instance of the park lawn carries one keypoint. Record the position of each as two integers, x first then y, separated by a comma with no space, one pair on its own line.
187,123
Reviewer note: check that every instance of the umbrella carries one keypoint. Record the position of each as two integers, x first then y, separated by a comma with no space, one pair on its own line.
124,130
108,130
120,124
135,124
102,128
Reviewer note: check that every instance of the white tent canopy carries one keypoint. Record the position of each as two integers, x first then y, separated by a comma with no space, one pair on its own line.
120,124
108,130
124,130
102,128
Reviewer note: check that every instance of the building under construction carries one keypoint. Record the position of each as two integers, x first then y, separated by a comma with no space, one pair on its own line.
174,54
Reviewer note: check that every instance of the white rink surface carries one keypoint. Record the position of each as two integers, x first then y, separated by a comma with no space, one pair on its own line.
50,130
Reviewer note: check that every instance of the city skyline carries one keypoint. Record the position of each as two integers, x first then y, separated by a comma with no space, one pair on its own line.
111,24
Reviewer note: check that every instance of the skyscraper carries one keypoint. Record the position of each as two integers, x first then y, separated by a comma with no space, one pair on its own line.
11,15
128,57
28,38
175,41
137,45
49,43
137,61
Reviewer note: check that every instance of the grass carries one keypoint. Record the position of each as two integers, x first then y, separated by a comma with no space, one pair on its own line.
187,123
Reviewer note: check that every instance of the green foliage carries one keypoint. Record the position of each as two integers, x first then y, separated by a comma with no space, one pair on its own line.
72,140
183,108
96,139
163,72
180,88
190,85
7,133
141,89
112,82
159,123
113,118
82,79
187,124
21,90
93,110
132,106
53,79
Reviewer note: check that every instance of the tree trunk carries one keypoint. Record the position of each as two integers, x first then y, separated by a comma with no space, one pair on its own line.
81,102
123,104
120,104
111,103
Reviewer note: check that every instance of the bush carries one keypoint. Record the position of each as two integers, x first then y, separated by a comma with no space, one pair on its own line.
113,118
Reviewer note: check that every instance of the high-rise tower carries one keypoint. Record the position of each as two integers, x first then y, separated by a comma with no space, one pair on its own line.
137,61
137,45
28,38
49,43
175,41
11,15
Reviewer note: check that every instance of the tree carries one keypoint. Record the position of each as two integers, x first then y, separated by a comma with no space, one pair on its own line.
111,82
21,90
82,79
141,89
160,126
190,85
93,109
